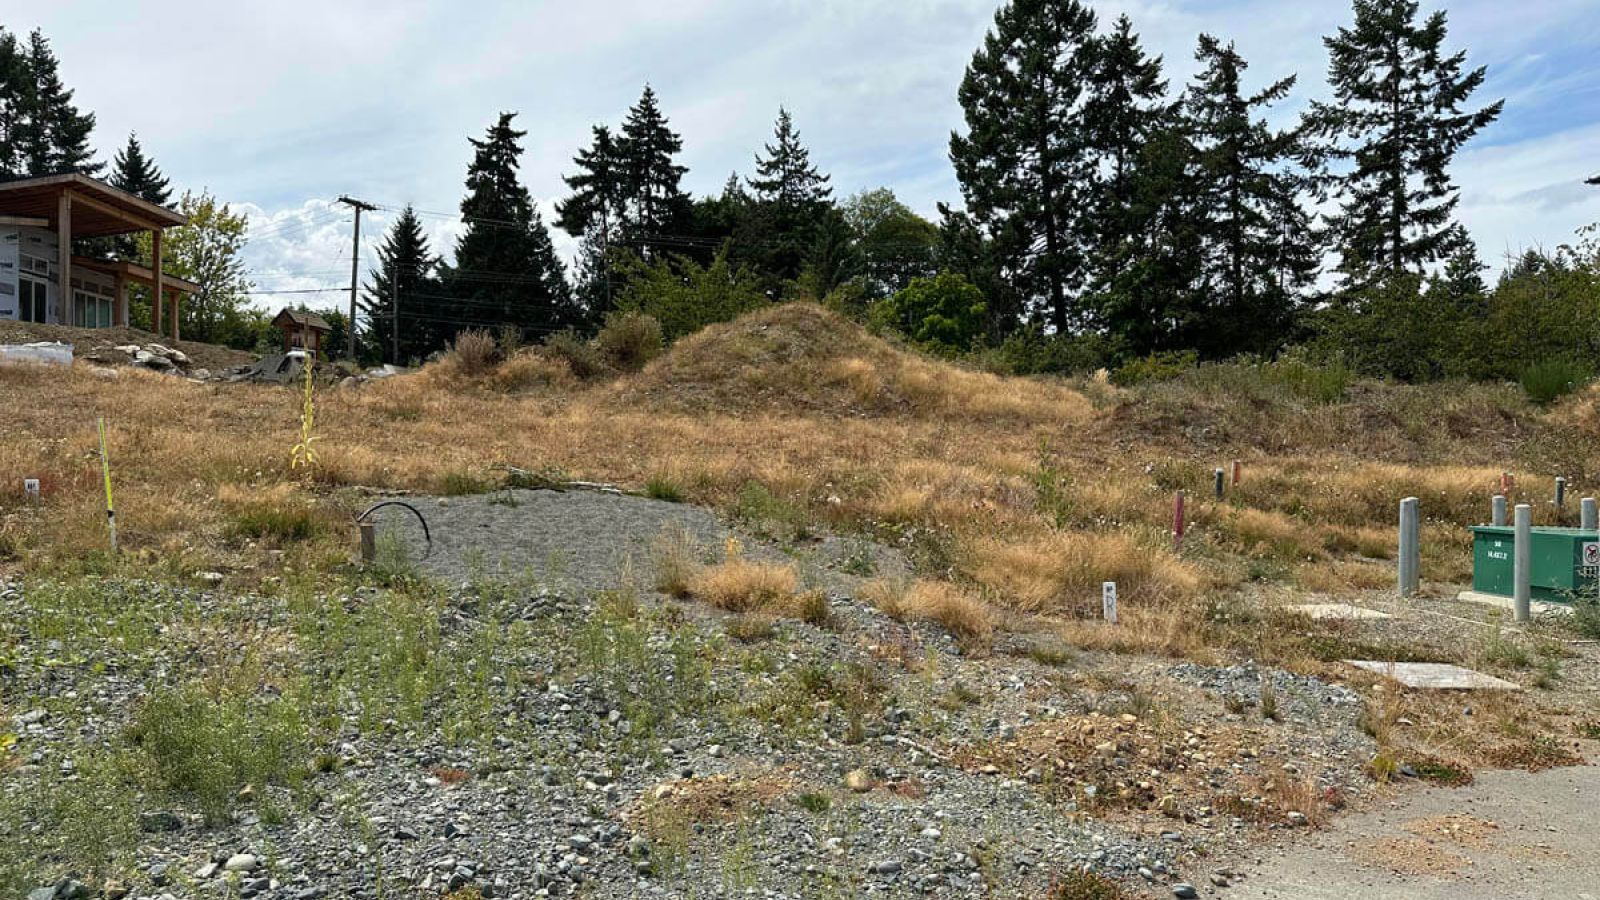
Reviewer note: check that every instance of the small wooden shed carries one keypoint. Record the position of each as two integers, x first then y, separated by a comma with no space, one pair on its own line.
302,330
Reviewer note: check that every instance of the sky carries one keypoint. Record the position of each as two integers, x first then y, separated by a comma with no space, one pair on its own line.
278,108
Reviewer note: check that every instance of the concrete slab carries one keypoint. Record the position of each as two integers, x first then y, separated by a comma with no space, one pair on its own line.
1342,611
1435,676
1537,608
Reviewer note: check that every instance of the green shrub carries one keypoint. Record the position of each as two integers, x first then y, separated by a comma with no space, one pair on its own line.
283,522
462,484
1548,381
1029,351
1317,384
207,748
684,296
584,358
629,340
660,487
1155,367
945,312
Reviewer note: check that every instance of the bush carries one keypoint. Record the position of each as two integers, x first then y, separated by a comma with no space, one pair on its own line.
684,296
1029,351
208,748
475,351
945,312
1553,379
582,357
1155,367
629,340
1318,384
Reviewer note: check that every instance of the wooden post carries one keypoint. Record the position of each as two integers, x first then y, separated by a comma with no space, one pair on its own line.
1177,520
1108,601
1410,557
1561,492
119,318
1507,482
177,297
1237,466
64,253
155,280
369,542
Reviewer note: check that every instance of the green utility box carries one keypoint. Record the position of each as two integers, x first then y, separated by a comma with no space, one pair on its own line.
1564,561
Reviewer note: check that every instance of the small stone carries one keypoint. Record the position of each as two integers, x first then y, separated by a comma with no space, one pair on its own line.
886,867
114,890
1219,880
1184,891
1298,819
858,781
206,871
241,862
159,820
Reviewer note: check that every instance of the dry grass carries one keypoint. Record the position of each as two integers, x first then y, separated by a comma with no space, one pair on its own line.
957,611
842,429
740,585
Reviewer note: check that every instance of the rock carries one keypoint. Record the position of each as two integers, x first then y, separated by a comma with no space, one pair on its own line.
1298,819
247,794
858,781
206,871
44,893
241,862
886,867
1219,879
1184,891
160,820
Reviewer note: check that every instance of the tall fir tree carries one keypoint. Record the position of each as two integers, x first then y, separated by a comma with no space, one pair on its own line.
594,213
15,87
1022,163
506,270
785,178
1259,252
137,174
789,198
657,205
51,136
407,267
1124,111
1397,118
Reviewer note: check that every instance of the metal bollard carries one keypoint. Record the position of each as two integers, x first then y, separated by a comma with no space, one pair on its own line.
1521,563
1587,518
1561,492
1410,560
1497,510
1218,480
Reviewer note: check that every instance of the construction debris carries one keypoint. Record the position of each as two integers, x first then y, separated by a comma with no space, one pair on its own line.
1435,676
43,353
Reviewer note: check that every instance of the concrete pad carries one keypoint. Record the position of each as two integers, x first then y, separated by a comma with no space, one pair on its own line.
1435,676
1342,611
1538,608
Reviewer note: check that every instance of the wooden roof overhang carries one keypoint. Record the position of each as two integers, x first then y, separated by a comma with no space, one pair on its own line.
136,273
98,209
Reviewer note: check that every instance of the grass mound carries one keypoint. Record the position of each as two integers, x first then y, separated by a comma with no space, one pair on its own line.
799,358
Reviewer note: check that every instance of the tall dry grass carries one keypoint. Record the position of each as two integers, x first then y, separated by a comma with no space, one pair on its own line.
840,427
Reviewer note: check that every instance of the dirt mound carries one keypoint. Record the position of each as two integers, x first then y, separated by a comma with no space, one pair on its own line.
86,341
801,359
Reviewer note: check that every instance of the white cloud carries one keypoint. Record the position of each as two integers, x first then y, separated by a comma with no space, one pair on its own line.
281,107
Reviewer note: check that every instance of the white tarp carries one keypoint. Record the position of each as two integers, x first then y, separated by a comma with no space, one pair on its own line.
42,353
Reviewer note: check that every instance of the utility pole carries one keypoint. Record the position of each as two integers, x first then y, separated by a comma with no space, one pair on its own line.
355,270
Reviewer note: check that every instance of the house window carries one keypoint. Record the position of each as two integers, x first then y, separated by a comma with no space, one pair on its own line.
91,310
33,301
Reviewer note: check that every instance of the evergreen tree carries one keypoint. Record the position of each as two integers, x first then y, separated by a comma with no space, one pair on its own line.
137,174
595,213
789,200
1396,121
51,136
407,266
15,86
1022,163
506,271
656,204
786,178
1258,252
1124,110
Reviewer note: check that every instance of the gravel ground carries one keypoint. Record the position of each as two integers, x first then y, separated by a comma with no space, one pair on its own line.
573,743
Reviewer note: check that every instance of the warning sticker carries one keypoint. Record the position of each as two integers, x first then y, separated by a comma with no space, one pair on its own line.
1591,553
